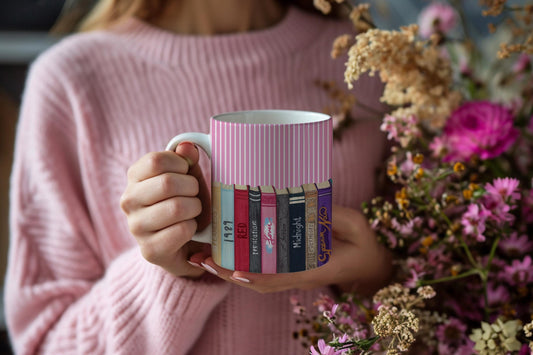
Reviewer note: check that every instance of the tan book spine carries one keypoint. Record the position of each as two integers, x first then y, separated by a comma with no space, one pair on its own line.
311,225
216,250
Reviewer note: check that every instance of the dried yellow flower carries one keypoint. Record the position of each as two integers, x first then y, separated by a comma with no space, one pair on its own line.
458,167
360,17
417,78
323,5
418,158
467,194
495,7
341,45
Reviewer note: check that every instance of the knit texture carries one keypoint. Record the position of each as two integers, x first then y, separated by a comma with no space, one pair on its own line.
93,105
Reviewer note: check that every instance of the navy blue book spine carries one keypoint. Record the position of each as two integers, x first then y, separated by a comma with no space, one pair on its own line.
296,229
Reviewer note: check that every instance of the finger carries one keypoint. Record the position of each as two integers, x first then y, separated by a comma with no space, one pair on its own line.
347,223
159,188
161,247
189,152
163,214
156,163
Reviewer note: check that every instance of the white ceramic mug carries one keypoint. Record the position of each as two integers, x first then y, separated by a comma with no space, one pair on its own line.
261,163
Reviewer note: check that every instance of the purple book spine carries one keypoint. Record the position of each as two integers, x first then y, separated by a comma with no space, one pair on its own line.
324,221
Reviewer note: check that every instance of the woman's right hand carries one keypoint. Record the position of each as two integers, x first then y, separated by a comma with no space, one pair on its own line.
165,202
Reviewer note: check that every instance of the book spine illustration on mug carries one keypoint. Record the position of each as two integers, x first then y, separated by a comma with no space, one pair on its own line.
282,212
254,210
324,221
216,213
242,240
311,219
268,230
296,229
228,244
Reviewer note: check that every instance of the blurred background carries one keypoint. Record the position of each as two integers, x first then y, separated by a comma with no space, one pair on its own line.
25,32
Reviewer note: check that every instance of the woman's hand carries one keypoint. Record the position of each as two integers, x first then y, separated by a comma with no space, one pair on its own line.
358,262
166,200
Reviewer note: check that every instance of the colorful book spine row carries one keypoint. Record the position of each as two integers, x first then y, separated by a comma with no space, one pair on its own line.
267,230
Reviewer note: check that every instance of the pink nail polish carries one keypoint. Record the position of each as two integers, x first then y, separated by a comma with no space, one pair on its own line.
241,279
210,269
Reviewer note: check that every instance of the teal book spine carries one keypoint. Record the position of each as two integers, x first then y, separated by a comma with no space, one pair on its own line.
227,215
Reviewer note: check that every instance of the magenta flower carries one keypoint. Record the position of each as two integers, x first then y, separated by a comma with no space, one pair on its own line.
473,221
436,18
479,128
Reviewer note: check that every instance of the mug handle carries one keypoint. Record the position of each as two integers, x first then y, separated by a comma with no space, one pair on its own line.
204,141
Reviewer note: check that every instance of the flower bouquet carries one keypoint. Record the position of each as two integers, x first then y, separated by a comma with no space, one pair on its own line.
459,215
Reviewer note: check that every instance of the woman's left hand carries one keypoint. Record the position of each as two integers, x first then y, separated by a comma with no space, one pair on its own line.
358,262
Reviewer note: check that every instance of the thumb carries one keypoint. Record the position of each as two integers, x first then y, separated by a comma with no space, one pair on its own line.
189,152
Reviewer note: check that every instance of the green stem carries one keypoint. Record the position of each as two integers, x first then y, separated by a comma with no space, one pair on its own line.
495,168
458,5
464,245
370,109
493,251
449,278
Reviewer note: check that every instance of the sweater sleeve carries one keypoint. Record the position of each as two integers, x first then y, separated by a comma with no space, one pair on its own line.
60,298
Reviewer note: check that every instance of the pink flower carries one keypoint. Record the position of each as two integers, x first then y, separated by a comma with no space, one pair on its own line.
400,129
324,303
519,272
516,245
524,350
437,147
527,207
473,221
530,124
498,209
412,281
522,64
452,337
504,187
497,295
436,18
479,128
323,349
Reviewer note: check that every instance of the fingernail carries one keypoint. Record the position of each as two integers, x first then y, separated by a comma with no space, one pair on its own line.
210,269
193,263
241,279
189,161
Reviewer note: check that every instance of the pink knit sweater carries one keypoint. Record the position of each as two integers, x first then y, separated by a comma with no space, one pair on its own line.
93,105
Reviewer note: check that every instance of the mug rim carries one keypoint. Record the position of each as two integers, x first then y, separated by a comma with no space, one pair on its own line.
271,117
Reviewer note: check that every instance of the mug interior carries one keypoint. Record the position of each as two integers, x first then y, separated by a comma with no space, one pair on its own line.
272,117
